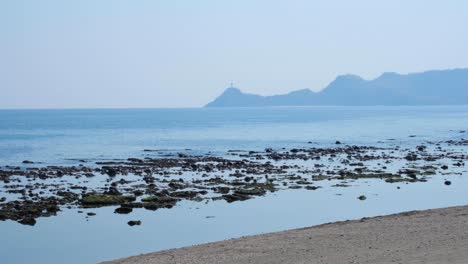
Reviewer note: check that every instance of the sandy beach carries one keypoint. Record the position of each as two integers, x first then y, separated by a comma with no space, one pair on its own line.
431,236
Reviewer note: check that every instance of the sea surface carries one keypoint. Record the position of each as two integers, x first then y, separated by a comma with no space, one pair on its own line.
63,137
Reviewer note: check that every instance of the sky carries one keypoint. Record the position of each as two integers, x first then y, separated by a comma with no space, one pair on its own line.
184,53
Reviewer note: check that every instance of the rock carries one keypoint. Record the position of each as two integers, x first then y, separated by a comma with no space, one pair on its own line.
159,199
411,157
421,148
27,221
91,214
185,194
235,197
27,162
338,142
362,197
223,190
110,171
176,186
53,209
38,191
447,182
123,210
152,206
138,192
256,191
113,191
97,200
134,222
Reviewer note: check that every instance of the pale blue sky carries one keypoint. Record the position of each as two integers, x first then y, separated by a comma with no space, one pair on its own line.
175,53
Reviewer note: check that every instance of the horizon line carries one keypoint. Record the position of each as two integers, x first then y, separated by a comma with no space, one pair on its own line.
225,107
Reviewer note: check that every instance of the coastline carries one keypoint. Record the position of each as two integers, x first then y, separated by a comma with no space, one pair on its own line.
429,236
205,180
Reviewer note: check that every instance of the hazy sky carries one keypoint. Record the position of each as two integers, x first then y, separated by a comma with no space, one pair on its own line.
174,53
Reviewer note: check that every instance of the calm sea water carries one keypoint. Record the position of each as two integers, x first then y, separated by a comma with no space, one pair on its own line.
63,136
55,136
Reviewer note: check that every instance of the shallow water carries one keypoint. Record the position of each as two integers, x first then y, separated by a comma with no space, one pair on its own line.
69,238
63,136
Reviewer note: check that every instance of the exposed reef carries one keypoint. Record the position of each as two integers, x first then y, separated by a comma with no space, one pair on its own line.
155,182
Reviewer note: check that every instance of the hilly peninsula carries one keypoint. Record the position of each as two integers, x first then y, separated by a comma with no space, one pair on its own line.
438,87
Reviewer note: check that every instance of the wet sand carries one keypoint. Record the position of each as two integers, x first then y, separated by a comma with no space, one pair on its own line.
431,236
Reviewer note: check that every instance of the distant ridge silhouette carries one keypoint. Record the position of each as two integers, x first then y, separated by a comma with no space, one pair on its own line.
438,87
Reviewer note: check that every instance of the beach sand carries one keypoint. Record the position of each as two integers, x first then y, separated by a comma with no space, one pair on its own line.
431,236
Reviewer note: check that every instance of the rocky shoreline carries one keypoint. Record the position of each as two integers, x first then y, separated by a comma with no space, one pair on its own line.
161,180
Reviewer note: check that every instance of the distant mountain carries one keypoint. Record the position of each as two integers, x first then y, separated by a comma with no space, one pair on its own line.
444,87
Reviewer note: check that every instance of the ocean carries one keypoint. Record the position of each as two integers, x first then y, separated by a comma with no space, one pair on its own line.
69,137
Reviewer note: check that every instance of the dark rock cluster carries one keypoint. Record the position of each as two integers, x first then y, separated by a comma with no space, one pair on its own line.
157,182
